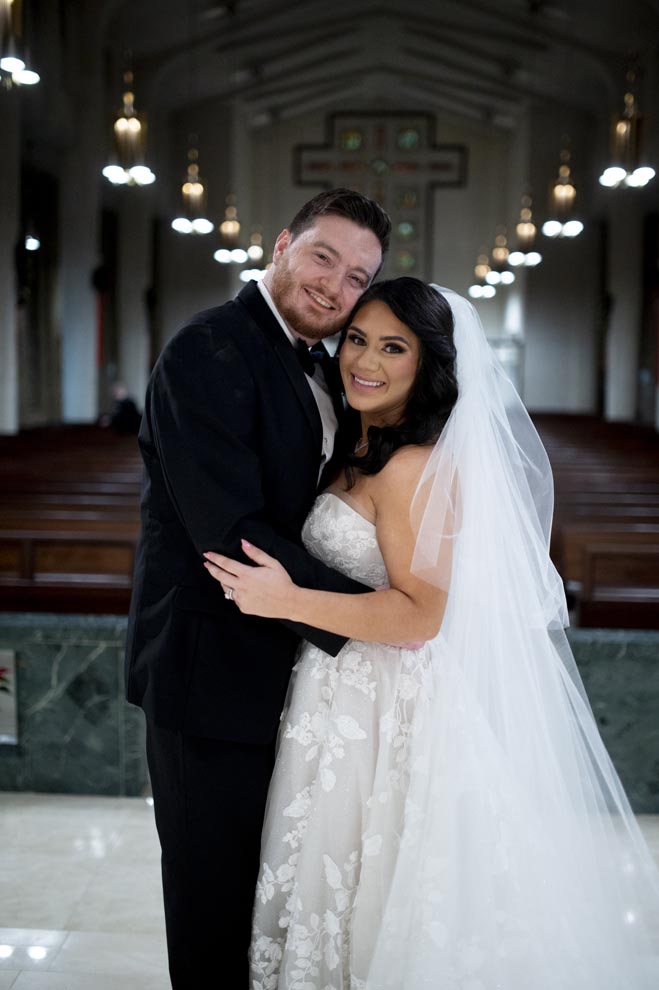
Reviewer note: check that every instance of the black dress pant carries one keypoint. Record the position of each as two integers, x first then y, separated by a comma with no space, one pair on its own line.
209,800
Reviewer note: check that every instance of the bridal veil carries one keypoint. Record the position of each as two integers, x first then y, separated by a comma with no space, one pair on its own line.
521,865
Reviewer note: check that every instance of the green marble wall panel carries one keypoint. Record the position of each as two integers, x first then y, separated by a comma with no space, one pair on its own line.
620,671
76,734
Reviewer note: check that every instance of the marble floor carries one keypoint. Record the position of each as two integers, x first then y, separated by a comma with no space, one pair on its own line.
80,899
80,904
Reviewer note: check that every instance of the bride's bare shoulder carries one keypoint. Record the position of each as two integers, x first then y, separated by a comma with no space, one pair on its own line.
408,460
402,472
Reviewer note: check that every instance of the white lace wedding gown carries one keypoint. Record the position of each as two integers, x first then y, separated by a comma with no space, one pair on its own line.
336,801
501,879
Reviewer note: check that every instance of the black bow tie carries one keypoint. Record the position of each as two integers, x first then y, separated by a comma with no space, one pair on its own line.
309,357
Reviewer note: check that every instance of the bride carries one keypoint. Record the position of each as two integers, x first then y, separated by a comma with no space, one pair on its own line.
442,812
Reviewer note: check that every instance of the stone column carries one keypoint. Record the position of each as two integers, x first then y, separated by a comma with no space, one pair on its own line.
80,186
9,222
134,276
625,250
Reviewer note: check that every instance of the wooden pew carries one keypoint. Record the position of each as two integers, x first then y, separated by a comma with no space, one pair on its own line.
69,520
605,539
620,585
42,568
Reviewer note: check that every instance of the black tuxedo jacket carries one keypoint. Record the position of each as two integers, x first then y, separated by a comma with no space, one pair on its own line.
231,441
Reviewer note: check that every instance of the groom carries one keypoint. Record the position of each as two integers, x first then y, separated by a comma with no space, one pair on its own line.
238,426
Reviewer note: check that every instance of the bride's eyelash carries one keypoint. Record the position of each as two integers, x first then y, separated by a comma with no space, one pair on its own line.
356,338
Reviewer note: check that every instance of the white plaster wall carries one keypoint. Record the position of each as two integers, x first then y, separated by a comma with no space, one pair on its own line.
560,327
465,219
564,292
275,197
625,285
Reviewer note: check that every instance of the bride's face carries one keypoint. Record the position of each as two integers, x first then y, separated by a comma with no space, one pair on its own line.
379,361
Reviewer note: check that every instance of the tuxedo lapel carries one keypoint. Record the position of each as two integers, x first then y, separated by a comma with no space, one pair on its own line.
261,314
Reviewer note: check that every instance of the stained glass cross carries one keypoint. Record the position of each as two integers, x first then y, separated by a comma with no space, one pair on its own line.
393,158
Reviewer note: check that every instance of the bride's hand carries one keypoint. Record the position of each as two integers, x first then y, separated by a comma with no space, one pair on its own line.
264,590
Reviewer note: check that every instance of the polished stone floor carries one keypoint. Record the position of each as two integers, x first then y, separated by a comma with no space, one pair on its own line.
80,893
80,901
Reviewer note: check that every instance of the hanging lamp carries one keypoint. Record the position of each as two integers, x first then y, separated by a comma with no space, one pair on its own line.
128,167
14,70
628,165
562,221
193,195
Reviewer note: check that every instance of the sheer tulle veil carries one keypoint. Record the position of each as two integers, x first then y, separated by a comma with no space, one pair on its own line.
521,865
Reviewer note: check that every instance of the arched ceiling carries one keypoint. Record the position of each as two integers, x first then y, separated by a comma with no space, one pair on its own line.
481,59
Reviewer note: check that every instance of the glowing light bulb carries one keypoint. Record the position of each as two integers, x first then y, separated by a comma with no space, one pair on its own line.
612,176
552,228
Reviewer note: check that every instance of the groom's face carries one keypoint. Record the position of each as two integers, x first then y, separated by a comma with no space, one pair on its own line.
317,277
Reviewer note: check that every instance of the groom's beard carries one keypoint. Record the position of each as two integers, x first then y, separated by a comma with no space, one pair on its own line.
316,326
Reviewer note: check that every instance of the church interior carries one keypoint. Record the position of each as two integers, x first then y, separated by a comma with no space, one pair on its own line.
150,153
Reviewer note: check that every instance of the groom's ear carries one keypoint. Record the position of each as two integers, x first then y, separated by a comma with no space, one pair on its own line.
281,243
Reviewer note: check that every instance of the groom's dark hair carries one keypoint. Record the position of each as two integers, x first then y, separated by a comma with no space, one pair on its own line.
345,203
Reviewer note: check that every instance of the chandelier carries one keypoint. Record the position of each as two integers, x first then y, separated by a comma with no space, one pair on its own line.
561,221
193,195
129,140
627,166
13,67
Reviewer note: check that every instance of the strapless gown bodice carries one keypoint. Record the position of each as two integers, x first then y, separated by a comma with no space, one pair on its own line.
338,534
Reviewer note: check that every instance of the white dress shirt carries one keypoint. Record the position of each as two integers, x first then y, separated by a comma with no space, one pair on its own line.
317,383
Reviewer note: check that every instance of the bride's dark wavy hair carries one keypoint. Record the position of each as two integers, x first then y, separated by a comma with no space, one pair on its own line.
435,390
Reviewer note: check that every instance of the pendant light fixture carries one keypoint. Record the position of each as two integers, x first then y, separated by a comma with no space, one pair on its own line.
500,273
230,233
525,231
628,166
562,221
480,288
129,140
193,195
14,70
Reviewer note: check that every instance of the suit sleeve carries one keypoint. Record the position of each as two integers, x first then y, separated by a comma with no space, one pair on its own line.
203,415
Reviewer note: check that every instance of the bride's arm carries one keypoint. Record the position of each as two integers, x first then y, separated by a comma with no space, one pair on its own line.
410,609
